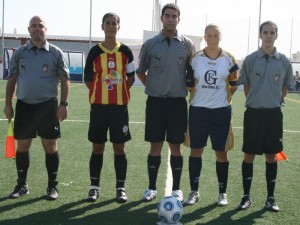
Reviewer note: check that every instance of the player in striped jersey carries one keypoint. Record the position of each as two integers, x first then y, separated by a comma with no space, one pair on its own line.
212,78
109,74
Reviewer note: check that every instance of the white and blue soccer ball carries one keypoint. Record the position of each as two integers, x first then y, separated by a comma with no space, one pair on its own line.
170,210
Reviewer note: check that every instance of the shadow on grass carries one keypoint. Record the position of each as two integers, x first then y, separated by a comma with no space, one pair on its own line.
16,204
197,214
83,213
225,218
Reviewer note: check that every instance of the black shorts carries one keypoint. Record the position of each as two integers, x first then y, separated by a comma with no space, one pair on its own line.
109,117
213,123
36,119
263,131
166,119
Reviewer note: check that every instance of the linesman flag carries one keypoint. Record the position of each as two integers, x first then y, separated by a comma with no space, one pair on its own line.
10,141
280,156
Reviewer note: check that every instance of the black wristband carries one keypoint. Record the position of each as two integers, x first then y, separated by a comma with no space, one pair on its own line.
64,103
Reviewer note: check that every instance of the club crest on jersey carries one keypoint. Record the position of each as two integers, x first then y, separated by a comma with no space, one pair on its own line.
45,68
111,64
210,79
277,78
182,60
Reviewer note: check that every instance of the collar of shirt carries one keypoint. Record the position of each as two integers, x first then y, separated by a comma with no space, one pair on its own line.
162,37
44,46
275,53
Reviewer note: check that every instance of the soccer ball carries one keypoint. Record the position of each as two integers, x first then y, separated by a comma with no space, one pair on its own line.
170,210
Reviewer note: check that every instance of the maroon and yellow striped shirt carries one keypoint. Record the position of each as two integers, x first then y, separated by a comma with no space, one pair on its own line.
107,71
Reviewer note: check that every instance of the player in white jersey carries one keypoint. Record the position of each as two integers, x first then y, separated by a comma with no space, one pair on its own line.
212,76
212,81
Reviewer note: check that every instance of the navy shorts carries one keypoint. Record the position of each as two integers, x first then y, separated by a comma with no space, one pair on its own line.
213,123
166,119
36,119
262,131
109,117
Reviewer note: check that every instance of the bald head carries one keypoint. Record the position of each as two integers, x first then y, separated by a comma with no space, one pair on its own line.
37,30
35,19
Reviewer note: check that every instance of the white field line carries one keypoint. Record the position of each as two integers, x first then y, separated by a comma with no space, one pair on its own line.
137,122
287,131
169,180
293,100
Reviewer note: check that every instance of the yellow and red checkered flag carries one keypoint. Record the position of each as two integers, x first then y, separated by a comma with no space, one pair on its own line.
10,141
280,156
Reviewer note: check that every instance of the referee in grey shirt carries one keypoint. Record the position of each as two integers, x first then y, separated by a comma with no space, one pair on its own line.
266,75
34,72
162,69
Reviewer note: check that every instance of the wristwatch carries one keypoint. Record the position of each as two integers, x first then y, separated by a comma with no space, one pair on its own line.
64,103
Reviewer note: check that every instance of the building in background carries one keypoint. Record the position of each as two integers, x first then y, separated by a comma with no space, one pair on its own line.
296,57
75,50
75,44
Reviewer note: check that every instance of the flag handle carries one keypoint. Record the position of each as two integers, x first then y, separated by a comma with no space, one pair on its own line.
10,151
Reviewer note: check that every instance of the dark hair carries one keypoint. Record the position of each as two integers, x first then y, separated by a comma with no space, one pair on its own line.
211,25
170,6
269,23
110,14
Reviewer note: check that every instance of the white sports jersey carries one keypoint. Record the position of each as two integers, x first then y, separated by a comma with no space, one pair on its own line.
212,77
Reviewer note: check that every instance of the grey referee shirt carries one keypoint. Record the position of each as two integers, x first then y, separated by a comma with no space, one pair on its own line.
265,76
37,72
165,59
